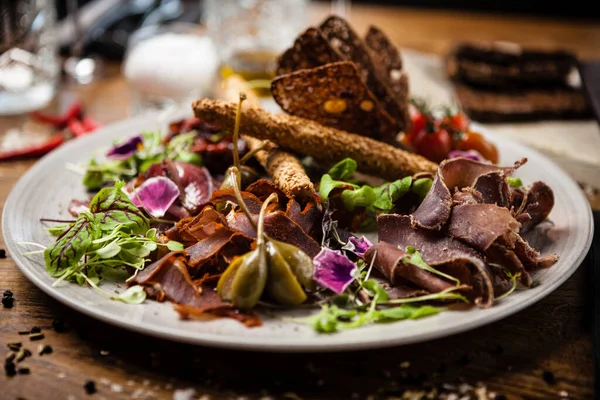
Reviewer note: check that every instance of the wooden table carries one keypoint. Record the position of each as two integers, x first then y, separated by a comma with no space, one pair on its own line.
541,352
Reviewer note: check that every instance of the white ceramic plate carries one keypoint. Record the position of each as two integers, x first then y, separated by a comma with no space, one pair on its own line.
46,189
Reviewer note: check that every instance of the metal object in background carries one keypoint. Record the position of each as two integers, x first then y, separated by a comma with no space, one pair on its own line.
29,66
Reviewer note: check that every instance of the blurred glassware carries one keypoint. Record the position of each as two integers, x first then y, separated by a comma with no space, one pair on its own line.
168,66
250,34
29,65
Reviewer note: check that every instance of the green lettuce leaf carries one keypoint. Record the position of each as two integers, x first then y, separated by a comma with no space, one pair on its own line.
389,193
71,246
111,207
343,170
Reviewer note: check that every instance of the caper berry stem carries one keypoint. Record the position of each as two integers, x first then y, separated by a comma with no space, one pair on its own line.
252,152
234,175
236,130
260,232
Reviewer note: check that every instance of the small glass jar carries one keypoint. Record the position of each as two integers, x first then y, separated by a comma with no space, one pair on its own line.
29,63
250,34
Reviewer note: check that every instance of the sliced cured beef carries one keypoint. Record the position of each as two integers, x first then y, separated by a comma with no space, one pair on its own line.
480,225
503,257
387,259
452,174
168,278
436,249
539,203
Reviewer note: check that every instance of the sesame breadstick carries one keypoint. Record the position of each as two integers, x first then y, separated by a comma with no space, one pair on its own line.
284,168
323,143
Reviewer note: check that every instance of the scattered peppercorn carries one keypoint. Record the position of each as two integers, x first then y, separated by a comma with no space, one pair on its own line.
9,368
7,299
36,336
2,253
7,293
90,387
24,332
500,397
16,346
10,356
59,325
35,329
23,354
44,349
548,377
23,371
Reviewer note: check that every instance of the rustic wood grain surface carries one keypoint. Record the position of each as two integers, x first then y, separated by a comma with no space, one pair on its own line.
543,352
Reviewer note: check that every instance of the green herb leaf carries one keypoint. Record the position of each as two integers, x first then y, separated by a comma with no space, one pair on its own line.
421,187
93,178
406,311
363,197
174,246
514,182
388,194
328,184
133,295
343,170
513,278
58,230
376,289
109,251
70,247
414,257
189,157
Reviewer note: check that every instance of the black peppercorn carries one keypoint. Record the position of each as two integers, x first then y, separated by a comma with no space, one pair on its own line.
2,253
90,387
548,377
8,301
59,325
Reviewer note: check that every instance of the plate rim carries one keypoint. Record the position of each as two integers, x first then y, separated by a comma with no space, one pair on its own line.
275,345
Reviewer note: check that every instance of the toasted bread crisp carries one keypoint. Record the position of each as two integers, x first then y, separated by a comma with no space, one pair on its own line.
336,96
388,69
343,38
311,49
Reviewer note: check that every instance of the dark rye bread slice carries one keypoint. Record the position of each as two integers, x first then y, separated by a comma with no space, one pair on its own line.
343,38
527,105
311,49
388,68
507,65
334,95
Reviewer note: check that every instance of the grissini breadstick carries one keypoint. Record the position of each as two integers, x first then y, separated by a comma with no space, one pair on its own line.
284,168
322,143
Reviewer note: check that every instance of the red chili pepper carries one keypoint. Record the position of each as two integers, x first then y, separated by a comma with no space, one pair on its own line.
76,127
59,121
90,124
37,150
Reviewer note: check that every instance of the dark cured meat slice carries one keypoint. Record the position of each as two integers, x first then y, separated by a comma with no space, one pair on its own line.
192,229
388,261
540,201
263,188
278,227
208,247
494,189
434,211
309,218
480,225
531,258
222,196
467,196
497,254
168,278
435,249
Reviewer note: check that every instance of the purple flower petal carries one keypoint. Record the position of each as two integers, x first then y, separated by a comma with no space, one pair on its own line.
333,270
361,245
156,195
126,149
470,154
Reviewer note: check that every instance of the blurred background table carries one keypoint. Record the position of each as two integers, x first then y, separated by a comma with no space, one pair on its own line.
542,352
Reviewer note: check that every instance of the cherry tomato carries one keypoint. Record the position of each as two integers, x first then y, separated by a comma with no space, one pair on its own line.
475,141
434,146
456,123
419,122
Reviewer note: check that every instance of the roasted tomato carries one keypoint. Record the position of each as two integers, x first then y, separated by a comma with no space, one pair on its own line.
475,141
433,145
